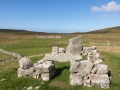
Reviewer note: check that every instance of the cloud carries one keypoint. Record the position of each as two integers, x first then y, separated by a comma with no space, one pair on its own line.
111,6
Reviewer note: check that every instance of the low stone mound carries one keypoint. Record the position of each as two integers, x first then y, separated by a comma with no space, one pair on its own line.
17,56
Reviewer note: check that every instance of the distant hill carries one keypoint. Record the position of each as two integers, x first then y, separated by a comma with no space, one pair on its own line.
76,33
14,31
107,30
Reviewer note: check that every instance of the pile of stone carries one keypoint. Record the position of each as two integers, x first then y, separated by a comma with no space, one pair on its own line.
17,56
44,70
72,51
86,50
90,72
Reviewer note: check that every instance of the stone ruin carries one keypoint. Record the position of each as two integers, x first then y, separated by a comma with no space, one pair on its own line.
72,51
86,50
15,55
44,70
88,72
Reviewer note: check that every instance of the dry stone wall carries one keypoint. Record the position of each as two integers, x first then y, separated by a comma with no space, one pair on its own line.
90,72
17,56
41,36
44,70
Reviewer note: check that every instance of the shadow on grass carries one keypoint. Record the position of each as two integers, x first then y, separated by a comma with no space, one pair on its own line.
59,71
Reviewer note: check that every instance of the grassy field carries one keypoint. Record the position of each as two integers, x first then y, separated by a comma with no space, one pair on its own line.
34,48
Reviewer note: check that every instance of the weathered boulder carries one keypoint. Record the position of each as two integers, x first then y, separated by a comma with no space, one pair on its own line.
102,69
93,56
85,50
75,64
49,62
25,63
86,66
25,72
61,50
47,76
98,61
76,79
101,81
75,45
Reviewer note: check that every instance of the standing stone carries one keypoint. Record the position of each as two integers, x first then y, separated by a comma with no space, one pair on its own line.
75,45
25,63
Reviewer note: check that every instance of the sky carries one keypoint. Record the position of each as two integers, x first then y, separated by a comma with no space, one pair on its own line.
62,16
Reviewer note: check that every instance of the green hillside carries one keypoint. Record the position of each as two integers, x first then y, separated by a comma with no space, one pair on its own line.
107,30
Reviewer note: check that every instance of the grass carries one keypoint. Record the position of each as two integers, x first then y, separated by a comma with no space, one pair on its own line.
113,60
35,49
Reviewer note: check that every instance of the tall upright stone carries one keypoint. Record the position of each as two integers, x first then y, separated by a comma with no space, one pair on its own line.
75,45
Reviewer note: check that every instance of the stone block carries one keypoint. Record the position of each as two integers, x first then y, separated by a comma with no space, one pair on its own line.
101,81
47,76
76,79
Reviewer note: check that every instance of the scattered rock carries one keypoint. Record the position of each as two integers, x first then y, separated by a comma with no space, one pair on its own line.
29,88
2,80
37,87
2,60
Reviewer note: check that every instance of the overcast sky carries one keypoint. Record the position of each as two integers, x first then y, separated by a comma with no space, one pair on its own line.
59,15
